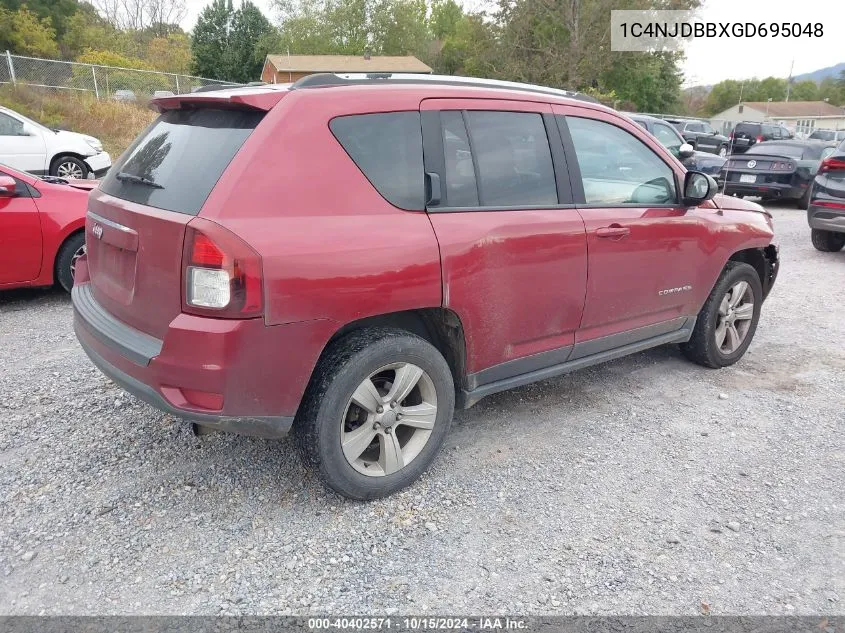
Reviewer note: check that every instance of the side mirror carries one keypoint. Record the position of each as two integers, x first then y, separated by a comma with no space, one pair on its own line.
685,150
8,186
698,187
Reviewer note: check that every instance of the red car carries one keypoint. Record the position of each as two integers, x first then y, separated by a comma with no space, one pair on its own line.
355,256
42,228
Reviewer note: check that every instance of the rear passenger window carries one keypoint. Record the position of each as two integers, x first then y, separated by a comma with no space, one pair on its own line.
388,149
617,168
461,189
513,157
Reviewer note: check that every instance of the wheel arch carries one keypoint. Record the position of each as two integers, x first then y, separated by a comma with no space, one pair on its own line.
439,326
62,154
80,230
764,260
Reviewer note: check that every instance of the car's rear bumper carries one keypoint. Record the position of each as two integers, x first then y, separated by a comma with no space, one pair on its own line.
826,218
765,190
202,372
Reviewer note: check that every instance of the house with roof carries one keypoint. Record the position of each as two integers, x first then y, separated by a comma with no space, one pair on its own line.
802,117
282,69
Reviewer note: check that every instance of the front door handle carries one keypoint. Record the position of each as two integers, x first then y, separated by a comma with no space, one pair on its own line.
613,232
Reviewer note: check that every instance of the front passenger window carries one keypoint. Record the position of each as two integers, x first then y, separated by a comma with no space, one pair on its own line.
10,126
617,168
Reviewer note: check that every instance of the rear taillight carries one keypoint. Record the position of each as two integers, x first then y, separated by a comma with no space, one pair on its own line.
832,164
731,136
781,165
759,139
221,272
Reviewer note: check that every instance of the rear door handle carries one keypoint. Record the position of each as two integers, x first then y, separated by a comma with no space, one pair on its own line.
614,231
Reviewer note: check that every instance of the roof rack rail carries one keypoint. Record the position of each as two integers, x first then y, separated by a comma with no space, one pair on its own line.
324,80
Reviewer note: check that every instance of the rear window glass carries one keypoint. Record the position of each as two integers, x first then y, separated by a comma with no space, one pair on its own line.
791,151
388,149
747,128
175,164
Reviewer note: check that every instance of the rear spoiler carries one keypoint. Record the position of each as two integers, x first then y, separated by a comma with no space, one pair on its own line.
255,99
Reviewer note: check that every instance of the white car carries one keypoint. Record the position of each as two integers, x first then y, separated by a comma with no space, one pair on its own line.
29,146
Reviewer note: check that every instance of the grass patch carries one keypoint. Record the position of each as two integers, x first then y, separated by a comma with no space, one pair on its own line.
116,124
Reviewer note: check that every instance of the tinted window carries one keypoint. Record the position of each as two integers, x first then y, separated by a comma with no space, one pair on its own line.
746,128
695,127
705,127
461,190
10,126
668,137
792,151
618,168
678,124
823,135
388,149
514,161
181,156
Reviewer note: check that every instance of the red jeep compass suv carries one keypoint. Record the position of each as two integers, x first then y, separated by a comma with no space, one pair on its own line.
355,256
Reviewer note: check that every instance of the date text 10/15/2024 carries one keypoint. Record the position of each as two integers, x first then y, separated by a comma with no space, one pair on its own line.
492,623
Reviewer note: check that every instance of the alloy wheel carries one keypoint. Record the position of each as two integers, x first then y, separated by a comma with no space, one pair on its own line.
389,419
736,311
76,255
69,169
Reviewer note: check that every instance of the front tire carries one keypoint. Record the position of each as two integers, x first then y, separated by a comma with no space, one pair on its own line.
376,413
827,241
69,253
727,322
69,167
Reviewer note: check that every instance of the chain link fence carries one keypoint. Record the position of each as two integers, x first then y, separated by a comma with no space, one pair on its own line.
103,82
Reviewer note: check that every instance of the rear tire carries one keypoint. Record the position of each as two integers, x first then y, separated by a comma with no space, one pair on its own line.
827,241
390,453
70,251
727,322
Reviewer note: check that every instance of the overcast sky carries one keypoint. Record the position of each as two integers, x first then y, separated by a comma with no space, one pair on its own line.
711,61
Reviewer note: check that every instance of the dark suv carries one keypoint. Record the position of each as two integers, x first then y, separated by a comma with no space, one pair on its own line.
702,136
354,257
748,134
826,213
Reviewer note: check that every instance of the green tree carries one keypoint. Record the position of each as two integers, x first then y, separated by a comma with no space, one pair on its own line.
242,59
445,16
211,39
56,11
399,27
470,50
171,53
806,90
649,81
24,33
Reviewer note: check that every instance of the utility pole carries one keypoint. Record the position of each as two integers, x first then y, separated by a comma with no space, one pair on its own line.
789,80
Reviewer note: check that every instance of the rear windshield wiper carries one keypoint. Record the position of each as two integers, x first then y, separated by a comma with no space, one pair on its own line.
140,180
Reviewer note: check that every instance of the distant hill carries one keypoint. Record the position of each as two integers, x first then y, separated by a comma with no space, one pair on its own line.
823,73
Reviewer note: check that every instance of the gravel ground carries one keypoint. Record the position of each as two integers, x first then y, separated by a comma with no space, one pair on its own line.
644,486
